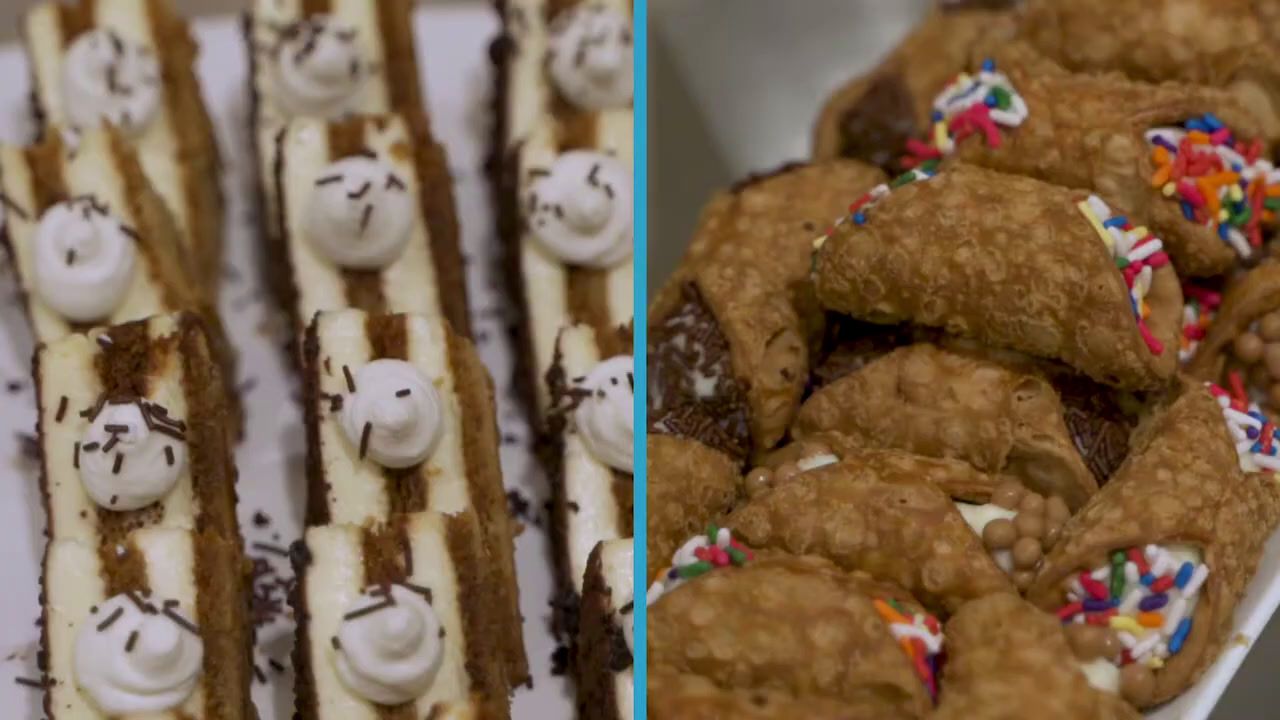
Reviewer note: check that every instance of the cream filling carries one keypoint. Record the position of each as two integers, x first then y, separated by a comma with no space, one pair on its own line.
374,96
73,584
92,171
546,279
157,144
336,579
409,283
1102,674
588,483
978,516
617,561
67,368
357,488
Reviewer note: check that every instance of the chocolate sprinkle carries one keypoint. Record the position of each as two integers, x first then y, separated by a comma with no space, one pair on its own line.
133,640
168,455
364,439
423,591
111,619
75,457
32,683
273,549
351,381
181,622
62,409
329,180
361,192
368,610
119,463
403,393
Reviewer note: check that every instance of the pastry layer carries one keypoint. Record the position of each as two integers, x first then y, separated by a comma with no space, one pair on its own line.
605,677
539,125
164,361
384,32
202,571
177,147
427,277
591,500
463,471
440,553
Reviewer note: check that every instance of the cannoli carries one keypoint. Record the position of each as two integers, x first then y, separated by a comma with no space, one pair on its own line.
872,117
1004,655
1161,555
1187,160
740,309
1244,336
767,624
1220,43
1032,267
869,512
688,482
931,402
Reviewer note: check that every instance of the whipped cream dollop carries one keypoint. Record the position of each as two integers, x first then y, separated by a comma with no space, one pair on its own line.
135,656
108,78
591,57
360,214
131,455
394,414
605,418
389,647
580,209
320,66
84,260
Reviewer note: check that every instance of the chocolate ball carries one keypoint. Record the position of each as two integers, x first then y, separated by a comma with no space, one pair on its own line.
1026,553
1111,645
786,472
1271,356
1084,640
757,481
1052,532
1029,526
999,534
1269,326
1056,510
1031,503
1008,494
1137,683
1247,348
1022,579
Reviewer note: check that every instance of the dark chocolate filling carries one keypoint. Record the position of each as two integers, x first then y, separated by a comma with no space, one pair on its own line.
849,344
685,347
877,127
1098,422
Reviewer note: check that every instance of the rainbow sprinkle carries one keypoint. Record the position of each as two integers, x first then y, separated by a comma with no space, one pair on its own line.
969,105
1255,436
1219,181
1198,311
1137,253
1146,595
698,556
920,636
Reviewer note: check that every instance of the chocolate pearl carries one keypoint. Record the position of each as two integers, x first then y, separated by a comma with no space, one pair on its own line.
757,481
1247,348
999,534
786,472
1031,503
1137,683
1052,531
1022,579
1026,553
1083,640
1269,326
1029,526
1111,645
1008,494
1056,510
1271,355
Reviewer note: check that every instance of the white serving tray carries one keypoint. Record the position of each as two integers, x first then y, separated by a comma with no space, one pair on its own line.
740,83
453,52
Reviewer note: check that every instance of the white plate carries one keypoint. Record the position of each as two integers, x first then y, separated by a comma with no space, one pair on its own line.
740,105
453,51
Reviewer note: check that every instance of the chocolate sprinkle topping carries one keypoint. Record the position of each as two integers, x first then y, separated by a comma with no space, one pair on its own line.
403,393
119,463
351,381
181,622
133,640
62,409
364,439
110,620
368,610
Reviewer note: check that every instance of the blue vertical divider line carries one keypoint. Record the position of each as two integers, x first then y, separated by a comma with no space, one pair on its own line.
640,33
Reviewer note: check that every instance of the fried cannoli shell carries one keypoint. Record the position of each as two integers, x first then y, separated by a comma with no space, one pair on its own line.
1219,43
1004,655
878,513
1180,484
1089,131
679,696
1007,260
749,265
872,116
769,624
939,404
1248,298
689,485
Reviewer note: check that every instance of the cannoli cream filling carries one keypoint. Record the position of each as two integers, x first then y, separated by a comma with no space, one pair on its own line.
1252,432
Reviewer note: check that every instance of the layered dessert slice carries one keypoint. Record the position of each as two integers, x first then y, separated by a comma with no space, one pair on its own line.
400,418
133,432
605,637
154,626
564,156
397,620
93,244
131,63
367,219
592,427
324,59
